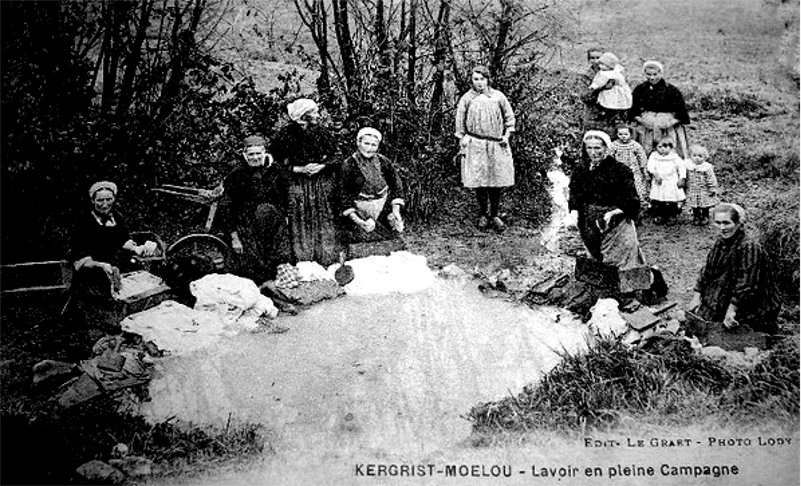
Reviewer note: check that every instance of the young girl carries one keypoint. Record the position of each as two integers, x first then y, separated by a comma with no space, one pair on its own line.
614,101
702,185
632,155
668,176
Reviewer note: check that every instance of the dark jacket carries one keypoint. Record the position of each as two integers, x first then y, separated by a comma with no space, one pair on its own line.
296,146
610,184
661,97
89,238
246,188
354,181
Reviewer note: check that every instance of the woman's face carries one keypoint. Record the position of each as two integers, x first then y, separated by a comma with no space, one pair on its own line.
103,201
596,149
725,224
368,146
310,118
479,82
652,74
255,155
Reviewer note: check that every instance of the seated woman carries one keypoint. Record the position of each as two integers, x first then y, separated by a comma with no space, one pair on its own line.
101,244
371,193
736,285
604,200
254,212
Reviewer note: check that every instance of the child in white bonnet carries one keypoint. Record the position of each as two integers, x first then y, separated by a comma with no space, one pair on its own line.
618,97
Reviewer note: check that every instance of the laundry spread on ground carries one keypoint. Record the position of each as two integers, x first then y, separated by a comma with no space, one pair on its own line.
400,272
176,328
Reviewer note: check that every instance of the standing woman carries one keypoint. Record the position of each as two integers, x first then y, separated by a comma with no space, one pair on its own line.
659,110
308,151
484,121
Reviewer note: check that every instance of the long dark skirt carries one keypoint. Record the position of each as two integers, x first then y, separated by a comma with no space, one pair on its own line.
312,221
265,243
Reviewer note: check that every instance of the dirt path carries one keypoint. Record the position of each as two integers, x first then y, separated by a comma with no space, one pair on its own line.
366,379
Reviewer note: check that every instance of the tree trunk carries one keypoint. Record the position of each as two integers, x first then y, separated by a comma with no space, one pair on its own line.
412,53
439,59
498,55
346,50
133,60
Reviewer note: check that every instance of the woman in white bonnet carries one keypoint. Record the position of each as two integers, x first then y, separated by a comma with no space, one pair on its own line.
309,153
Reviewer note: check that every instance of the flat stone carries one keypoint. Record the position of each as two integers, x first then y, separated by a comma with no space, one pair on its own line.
79,390
100,473
52,372
133,466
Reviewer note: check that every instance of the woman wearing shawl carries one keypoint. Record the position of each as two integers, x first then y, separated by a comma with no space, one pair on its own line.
100,243
736,285
308,151
371,192
605,202
253,212
659,110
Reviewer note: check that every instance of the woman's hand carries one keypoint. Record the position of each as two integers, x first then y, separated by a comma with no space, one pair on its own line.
395,220
729,322
463,142
504,140
314,169
236,243
367,225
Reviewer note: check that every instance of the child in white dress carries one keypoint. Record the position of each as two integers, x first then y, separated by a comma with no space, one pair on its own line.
668,178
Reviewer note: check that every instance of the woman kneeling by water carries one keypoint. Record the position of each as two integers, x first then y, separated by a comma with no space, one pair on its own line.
736,285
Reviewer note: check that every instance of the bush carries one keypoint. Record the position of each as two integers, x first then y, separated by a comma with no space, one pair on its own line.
778,228
673,385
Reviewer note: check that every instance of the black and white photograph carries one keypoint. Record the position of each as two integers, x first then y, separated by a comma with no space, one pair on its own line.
399,242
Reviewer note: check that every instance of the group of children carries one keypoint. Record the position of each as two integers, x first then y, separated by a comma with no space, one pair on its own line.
663,179
665,182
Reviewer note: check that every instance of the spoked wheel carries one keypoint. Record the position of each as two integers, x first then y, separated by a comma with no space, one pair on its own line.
194,256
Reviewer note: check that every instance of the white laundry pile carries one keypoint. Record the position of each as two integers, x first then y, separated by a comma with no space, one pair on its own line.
606,320
226,305
400,272
236,301
176,328
313,272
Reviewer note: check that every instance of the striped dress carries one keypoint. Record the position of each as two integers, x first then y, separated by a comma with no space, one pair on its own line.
632,155
702,185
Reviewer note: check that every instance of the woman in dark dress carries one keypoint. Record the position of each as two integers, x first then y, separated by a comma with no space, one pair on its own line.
308,151
736,285
371,192
659,110
603,195
100,244
254,214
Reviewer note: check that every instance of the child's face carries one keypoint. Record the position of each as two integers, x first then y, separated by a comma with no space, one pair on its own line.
663,149
624,135
698,158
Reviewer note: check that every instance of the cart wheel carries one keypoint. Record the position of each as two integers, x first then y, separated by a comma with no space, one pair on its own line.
194,256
